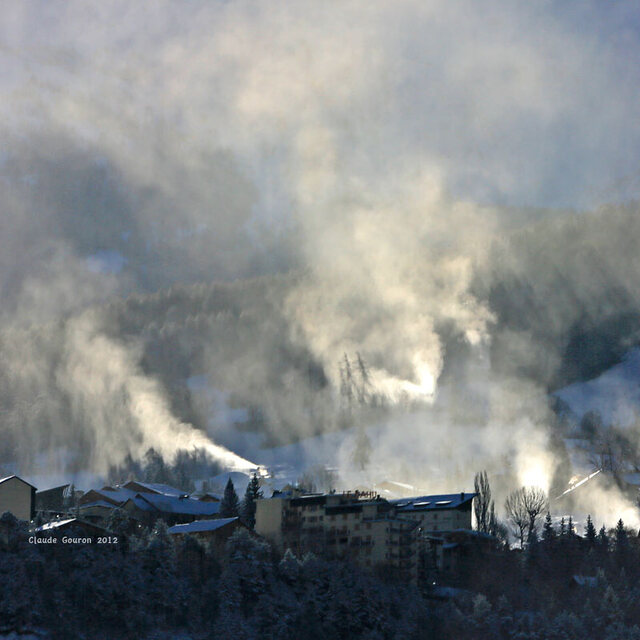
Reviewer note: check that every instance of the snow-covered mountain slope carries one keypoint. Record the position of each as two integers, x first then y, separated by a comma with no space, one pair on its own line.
615,394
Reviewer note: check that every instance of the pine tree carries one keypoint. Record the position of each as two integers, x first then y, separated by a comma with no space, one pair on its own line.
563,528
621,536
252,494
229,507
603,539
548,532
590,532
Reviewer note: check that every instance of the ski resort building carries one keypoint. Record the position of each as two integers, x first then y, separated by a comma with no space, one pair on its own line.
214,532
358,526
149,507
366,529
18,497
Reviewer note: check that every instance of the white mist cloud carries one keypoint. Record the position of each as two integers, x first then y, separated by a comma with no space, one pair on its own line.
366,144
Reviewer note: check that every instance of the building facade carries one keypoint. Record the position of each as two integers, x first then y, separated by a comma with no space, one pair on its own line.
18,497
404,535
358,526
435,514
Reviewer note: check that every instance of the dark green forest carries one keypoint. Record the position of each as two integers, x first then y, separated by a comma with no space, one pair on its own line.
562,587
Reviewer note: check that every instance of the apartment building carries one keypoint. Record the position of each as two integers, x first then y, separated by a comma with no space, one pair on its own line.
402,535
356,525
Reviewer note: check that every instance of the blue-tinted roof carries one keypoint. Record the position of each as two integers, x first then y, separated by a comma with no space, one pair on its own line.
164,489
170,504
97,503
119,494
429,503
201,525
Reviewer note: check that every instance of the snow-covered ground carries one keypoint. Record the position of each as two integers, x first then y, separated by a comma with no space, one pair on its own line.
615,394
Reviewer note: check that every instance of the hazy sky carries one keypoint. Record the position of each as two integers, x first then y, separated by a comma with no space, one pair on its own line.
375,146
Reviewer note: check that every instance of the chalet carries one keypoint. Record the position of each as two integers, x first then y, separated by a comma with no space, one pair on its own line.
115,496
149,507
18,497
97,511
155,488
215,532
118,495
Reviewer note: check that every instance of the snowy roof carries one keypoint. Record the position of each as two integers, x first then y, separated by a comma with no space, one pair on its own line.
17,478
141,503
119,494
64,488
55,524
171,504
97,503
428,503
157,487
201,525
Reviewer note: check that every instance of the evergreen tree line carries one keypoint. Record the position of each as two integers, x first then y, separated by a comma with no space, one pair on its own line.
562,586
178,473
157,587
231,507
